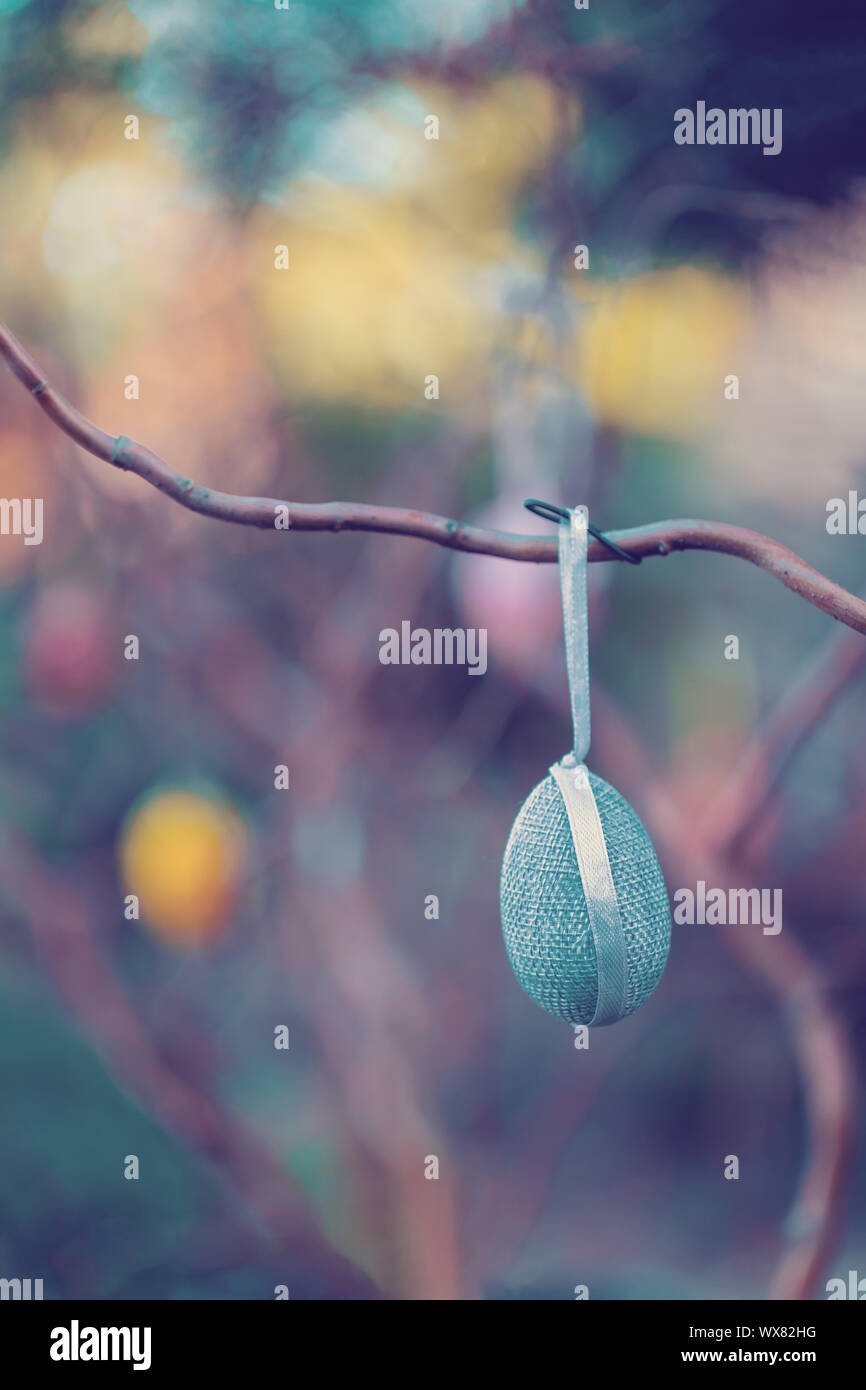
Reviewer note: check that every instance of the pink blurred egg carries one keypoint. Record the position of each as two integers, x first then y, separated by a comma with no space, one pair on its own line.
519,603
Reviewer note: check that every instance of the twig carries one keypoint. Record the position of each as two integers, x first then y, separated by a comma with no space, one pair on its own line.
657,538
734,814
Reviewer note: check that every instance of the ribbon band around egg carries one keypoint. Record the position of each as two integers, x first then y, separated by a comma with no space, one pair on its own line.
572,778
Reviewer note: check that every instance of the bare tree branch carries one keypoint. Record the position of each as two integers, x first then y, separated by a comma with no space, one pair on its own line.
658,538
745,797
817,1032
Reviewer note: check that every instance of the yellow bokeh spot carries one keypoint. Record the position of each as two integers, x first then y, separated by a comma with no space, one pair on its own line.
182,853
389,283
656,350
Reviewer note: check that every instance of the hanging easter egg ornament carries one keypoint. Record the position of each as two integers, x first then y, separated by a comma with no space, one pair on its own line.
584,908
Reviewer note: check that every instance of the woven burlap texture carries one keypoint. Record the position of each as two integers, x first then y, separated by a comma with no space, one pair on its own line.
545,921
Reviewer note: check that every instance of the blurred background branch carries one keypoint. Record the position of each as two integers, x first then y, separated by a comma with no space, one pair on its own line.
819,1043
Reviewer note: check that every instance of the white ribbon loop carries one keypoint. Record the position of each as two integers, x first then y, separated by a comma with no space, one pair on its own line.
575,622
573,782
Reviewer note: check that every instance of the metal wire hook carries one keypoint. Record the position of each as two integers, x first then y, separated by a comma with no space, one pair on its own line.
548,511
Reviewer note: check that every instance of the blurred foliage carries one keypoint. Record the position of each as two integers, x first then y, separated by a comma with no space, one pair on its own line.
65,1206
656,348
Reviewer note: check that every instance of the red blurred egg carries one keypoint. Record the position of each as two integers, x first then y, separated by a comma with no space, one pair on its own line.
69,657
